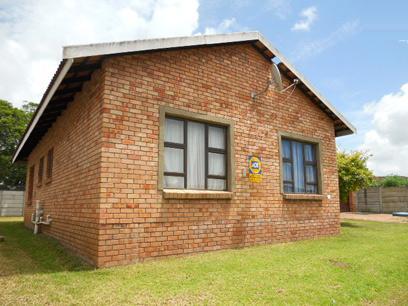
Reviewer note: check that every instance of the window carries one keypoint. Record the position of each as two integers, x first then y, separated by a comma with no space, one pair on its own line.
299,162
30,185
50,163
40,171
195,155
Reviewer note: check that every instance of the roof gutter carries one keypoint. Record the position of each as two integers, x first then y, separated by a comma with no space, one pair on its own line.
67,65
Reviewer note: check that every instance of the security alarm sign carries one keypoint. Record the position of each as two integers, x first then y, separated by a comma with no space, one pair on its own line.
255,169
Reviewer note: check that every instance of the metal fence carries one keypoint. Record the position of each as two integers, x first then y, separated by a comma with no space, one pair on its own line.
11,203
382,199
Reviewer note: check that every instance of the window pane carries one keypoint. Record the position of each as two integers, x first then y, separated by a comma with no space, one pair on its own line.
216,137
216,164
174,131
288,187
286,149
309,152
50,161
310,174
311,188
216,184
40,170
195,155
298,170
173,160
287,172
173,181
31,184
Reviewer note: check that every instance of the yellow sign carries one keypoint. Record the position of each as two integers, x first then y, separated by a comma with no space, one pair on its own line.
255,169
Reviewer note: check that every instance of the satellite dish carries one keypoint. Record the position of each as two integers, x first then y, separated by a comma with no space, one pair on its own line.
275,80
276,77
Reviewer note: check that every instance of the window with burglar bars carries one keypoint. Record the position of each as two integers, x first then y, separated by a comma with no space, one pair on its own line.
299,163
195,155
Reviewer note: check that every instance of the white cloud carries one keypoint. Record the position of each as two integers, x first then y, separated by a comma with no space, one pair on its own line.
387,140
227,25
280,8
309,16
33,32
318,46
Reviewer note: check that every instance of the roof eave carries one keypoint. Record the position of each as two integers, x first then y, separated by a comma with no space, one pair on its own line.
305,81
70,53
44,102
77,51
345,132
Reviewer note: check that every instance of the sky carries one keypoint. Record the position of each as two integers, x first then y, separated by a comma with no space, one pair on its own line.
354,52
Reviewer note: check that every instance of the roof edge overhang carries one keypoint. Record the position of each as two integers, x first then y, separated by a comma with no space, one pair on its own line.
80,52
306,82
56,81
141,45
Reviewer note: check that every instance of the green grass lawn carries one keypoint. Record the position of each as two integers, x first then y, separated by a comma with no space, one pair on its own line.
367,264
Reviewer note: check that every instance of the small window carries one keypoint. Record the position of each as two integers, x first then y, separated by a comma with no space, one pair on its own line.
299,164
195,155
50,162
40,171
30,185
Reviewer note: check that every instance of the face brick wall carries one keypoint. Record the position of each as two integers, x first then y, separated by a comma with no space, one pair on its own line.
136,223
72,197
104,197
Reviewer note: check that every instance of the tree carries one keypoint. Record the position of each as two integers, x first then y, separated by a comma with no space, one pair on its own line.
13,122
29,108
353,172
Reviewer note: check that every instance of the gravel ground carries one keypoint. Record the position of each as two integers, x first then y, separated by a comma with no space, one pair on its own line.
373,217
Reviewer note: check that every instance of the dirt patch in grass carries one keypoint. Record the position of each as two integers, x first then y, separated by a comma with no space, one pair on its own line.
340,264
373,217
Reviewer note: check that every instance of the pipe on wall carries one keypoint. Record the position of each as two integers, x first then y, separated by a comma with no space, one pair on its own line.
37,217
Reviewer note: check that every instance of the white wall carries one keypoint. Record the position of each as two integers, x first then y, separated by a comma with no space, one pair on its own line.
11,203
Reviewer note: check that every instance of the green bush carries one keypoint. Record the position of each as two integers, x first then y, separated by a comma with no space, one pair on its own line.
353,172
392,181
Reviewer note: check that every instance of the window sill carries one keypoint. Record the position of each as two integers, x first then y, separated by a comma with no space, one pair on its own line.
195,194
303,196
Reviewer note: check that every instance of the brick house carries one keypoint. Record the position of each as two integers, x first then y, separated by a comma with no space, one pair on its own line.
152,148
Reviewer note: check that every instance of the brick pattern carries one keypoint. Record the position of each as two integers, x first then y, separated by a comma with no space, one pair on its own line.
72,196
104,196
137,222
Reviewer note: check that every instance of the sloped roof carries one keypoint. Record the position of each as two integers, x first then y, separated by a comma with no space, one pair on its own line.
79,62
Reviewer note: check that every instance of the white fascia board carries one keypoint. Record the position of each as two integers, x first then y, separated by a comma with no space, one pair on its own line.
156,44
191,41
303,79
47,99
